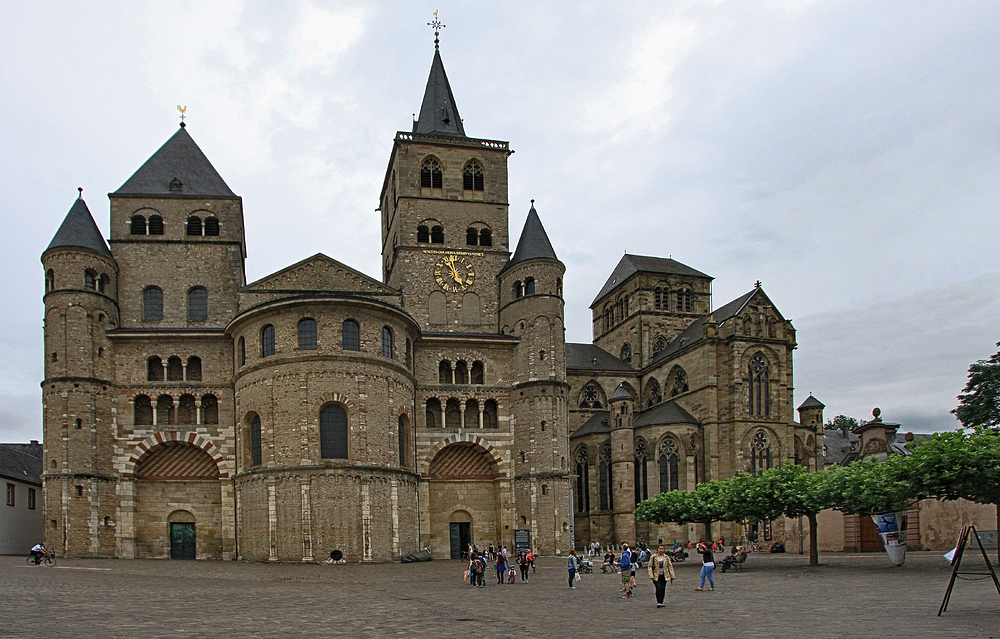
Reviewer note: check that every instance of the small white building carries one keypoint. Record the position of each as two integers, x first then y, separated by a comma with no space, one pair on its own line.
21,514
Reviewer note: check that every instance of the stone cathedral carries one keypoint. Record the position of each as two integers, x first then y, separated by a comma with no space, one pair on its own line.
190,414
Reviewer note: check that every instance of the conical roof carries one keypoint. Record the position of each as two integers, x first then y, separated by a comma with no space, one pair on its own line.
438,111
80,229
179,167
534,242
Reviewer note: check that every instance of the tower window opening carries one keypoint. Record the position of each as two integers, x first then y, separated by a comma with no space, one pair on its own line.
437,235
137,225
471,237
430,174
485,237
423,235
155,225
194,225
472,176
212,226
351,338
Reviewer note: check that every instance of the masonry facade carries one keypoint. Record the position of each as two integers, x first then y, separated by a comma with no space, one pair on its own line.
190,414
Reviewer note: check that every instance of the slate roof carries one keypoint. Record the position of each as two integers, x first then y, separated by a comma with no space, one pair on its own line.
180,158
80,229
665,413
583,356
622,392
17,464
534,242
811,402
632,264
696,331
599,423
438,111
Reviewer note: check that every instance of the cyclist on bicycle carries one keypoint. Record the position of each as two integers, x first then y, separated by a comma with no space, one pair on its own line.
38,551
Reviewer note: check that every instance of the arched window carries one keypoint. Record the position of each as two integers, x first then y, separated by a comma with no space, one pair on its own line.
242,348
194,225
387,348
209,409
461,372
333,432
404,439
529,286
759,400
155,225
138,225
653,394
485,237
760,453
472,176
491,412
590,396
267,341
351,338
432,416
142,411
668,466
582,481
478,373
641,472
677,382
423,235
186,410
307,334
471,236
256,458
437,235
518,289
152,304
444,372
165,410
193,369
452,414
626,353
471,416
50,280
102,283
604,470
212,226
154,369
684,300
175,369
661,298
430,174
89,282
559,289
198,304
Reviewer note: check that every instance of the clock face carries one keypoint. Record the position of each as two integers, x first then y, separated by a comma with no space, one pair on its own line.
454,273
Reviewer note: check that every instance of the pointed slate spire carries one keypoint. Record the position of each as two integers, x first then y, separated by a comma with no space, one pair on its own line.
178,168
79,229
534,243
438,111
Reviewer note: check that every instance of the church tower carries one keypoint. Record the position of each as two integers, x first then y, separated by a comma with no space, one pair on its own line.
81,304
444,216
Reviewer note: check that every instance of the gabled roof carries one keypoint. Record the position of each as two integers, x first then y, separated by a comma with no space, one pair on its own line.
19,465
629,265
811,402
438,111
590,357
696,331
622,392
665,413
80,229
179,158
318,273
534,242
599,423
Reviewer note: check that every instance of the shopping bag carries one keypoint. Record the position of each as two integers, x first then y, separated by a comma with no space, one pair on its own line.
578,578
465,576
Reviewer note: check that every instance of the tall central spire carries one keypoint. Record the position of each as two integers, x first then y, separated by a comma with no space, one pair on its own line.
438,111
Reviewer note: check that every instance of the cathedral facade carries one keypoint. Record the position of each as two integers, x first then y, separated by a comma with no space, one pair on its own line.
190,414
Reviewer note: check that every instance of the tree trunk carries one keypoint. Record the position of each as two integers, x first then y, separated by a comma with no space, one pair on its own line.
813,540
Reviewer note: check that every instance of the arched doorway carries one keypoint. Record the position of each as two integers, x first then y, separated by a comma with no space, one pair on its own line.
463,499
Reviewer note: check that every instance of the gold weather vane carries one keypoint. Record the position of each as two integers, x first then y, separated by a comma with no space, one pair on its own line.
437,25
182,109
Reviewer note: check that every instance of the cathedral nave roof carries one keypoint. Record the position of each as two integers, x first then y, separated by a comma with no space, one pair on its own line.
590,357
664,413
629,265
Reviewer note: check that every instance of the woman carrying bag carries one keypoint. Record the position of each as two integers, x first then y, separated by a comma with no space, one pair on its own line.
660,570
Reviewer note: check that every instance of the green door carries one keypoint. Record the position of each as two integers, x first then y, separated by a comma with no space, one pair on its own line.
182,544
460,539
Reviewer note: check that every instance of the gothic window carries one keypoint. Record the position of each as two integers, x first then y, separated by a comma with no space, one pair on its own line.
437,235
351,338
490,414
50,280
529,286
267,341
175,369
307,334
423,235
653,394
242,347
193,369
659,344
194,225
668,463
453,414
155,225
89,281
485,237
471,236
138,225
759,399
760,453
684,300
604,470
478,373
209,409
626,353
403,437
198,304
472,176
582,481
461,372
518,289
186,410
641,472
142,411
387,346
471,413
333,432
590,397
444,372
211,226
430,174
154,369
256,458
677,382
152,304
433,413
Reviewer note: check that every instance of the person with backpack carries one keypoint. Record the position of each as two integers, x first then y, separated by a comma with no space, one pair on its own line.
625,564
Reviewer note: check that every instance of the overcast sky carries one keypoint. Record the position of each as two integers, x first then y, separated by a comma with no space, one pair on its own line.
844,153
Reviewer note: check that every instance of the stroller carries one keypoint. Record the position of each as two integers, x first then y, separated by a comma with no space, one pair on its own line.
584,566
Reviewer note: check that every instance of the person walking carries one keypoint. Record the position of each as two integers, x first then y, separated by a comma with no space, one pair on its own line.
660,570
707,566
625,565
501,568
571,567
531,560
523,563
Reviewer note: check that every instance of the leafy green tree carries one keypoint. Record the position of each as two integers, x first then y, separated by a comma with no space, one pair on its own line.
979,403
870,486
842,423
707,503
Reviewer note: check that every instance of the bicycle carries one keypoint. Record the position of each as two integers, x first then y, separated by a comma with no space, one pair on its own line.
44,560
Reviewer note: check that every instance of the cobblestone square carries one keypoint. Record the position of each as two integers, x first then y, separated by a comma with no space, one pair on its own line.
776,596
